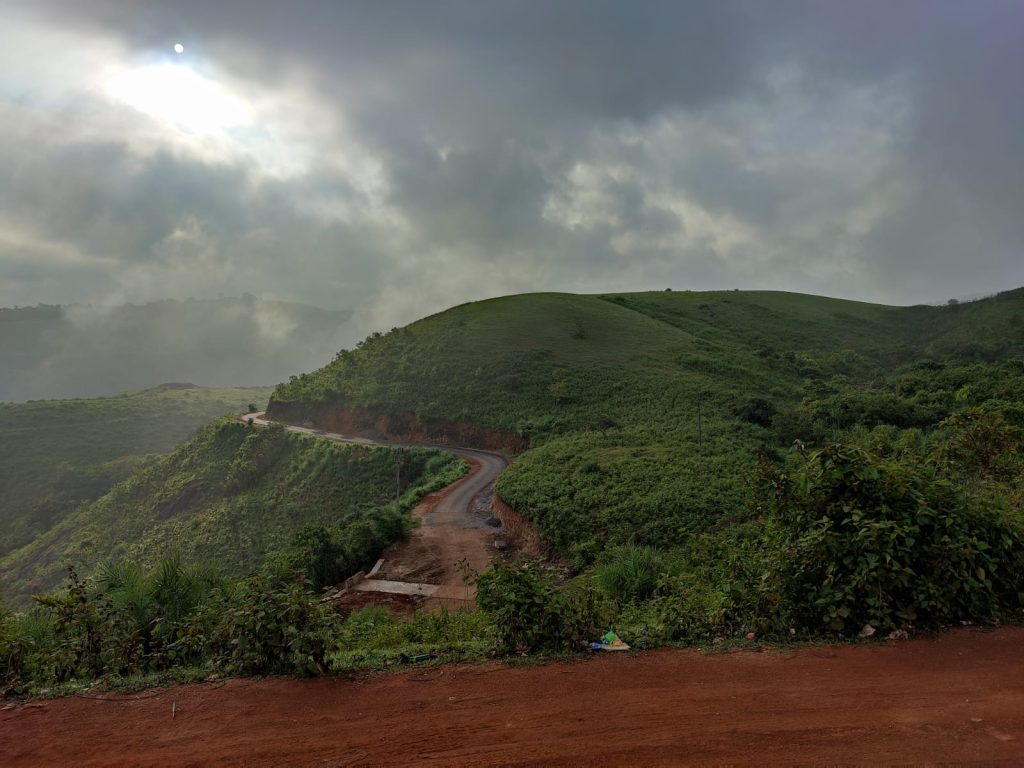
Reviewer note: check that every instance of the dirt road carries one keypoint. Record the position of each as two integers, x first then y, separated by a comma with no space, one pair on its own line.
956,699
449,531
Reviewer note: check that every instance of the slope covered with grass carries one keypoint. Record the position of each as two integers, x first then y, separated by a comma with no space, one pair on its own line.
549,363
540,364
232,496
57,454
647,411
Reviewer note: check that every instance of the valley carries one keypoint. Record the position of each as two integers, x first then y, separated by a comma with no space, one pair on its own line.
453,383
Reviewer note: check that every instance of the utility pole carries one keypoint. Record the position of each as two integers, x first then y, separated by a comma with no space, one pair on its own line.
700,434
700,430
398,479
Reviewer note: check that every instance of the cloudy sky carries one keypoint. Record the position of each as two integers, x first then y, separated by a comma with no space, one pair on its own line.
395,158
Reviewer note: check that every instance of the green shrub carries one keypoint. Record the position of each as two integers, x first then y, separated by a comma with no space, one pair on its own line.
274,625
526,609
78,632
892,544
22,638
722,583
980,444
362,544
145,612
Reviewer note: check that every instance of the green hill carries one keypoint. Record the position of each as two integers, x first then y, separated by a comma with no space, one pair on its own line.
57,454
645,411
543,364
708,465
231,496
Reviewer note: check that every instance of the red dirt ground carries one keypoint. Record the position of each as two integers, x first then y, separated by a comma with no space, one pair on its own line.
958,699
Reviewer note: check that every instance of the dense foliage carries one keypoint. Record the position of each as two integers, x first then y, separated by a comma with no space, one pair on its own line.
646,411
894,543
176,621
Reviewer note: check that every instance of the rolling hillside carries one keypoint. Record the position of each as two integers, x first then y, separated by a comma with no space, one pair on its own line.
646,411
705,467
231,496
58,454
543,364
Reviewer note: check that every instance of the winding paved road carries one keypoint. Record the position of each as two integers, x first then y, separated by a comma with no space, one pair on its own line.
449,532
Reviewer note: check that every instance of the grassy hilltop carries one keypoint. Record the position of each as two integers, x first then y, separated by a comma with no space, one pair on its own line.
545,364
647,411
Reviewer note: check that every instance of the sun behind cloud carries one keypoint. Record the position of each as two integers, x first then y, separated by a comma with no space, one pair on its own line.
178,96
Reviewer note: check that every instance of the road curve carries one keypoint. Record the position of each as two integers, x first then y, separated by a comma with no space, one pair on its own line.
450,532
486,465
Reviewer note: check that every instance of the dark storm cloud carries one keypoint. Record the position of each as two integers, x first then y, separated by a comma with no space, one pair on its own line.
440,152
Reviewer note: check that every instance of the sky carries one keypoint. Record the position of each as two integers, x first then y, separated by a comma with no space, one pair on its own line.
395,158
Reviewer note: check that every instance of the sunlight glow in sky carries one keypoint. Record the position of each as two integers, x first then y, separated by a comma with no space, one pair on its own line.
178,96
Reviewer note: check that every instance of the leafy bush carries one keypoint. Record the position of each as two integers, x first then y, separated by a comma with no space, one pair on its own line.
272,624
757,410
146,612
892,544
22,638
722,583
981,444
527,610
78,632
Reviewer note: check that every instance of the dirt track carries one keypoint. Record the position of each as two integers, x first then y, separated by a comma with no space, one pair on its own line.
956,699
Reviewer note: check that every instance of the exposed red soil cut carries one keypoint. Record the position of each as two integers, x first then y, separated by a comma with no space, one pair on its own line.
402,427
958,698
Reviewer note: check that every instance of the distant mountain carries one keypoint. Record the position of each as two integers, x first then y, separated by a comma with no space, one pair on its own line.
84,351
58,454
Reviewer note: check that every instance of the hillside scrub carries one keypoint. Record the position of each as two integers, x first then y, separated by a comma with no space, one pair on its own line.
176,621
839,541
56,455
547,364
647,415
235,495
893,544
645,411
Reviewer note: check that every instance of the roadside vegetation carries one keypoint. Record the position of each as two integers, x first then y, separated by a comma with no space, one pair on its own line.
236,495
890,532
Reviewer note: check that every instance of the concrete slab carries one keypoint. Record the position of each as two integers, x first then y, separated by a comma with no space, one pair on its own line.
396,587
